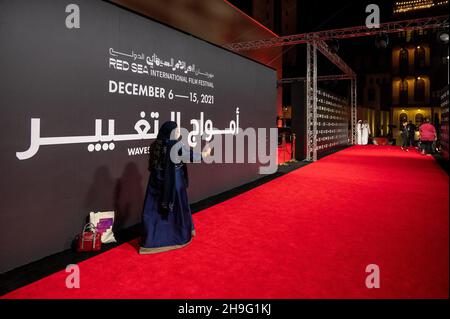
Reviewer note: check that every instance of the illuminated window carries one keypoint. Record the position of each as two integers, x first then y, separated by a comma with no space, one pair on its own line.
419,90
420,57
409,35
404,92
404,60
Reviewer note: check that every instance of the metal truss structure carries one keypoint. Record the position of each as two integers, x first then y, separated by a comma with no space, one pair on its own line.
315,41
438,22
353,100
353,109
311,101
334,58
319,78
311,93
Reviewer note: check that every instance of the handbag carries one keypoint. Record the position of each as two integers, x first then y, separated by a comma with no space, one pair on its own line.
89,240
103,222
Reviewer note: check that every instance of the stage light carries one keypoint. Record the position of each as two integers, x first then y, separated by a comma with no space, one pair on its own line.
382,41
443,37
333,45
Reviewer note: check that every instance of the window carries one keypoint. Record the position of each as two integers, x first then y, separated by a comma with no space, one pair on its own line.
409,36
419,90
420,57
404,60
371,94
404,92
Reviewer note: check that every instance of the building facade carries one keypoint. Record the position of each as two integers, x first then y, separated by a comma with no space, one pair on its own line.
419,61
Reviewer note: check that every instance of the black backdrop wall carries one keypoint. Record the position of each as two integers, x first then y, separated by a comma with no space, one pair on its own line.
444,124
332,117
61,77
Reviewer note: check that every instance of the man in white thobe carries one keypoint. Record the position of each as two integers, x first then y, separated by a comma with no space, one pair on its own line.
365,132
359,133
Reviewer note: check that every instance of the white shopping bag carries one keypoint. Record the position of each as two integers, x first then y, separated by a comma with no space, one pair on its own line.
104,222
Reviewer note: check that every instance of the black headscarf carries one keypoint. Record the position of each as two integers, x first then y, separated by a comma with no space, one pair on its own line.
165,130
160,158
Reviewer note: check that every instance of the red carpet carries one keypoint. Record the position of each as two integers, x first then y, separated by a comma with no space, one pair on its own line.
307,234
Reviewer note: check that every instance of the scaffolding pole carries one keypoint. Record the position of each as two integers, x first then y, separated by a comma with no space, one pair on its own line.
353,109
311,101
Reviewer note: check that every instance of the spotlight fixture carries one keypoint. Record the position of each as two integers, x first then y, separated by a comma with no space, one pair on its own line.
333,45
382,41
443,37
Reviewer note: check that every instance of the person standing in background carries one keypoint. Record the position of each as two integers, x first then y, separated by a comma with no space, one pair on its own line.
359,133
411,133
365,132
405,136
427,136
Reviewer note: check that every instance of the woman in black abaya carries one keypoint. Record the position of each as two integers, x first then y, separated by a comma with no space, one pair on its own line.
167,219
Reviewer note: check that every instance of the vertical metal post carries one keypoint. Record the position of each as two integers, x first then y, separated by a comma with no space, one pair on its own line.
293,142
353,109
311,101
